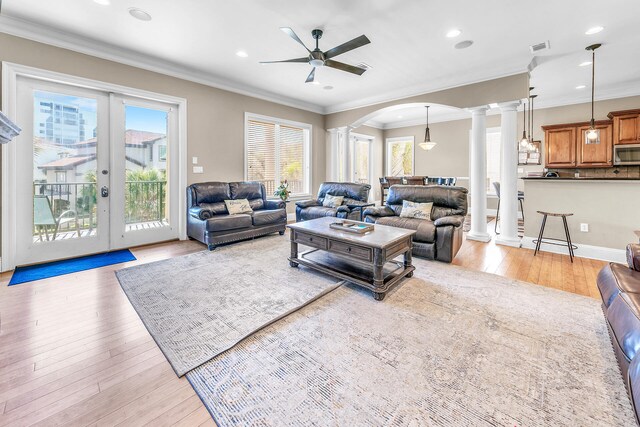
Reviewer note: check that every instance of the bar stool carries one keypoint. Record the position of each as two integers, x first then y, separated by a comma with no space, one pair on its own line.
539,241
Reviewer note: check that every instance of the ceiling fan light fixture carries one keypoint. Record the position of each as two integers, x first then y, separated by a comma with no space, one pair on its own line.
316,62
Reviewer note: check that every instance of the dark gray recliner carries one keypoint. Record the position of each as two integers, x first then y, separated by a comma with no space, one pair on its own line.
439,238
354,195
209,222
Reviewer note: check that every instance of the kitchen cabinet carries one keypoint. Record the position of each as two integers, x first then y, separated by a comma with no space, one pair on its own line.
626,126
568,147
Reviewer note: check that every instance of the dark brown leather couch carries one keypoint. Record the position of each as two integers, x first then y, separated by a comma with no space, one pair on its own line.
354,195
619,287
439,238
209,222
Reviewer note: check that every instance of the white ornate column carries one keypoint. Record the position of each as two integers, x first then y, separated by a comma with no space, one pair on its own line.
478,175
509,176
348,155
332,155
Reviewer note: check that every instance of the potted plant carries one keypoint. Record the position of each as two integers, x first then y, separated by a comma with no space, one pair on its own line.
283,191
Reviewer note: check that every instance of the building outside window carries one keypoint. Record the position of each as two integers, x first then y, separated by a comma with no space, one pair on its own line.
277,150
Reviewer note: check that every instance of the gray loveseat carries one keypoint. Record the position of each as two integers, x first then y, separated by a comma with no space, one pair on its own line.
355,195
209,222
439,238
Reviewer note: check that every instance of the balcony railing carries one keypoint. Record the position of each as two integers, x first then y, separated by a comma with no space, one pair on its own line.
145,201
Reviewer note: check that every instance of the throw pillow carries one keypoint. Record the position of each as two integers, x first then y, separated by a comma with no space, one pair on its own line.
332,201
416,210
238,206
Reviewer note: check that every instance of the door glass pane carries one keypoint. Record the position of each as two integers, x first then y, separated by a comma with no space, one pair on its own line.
146,156
64,166
362,161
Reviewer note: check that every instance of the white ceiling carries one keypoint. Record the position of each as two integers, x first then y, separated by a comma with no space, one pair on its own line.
409,53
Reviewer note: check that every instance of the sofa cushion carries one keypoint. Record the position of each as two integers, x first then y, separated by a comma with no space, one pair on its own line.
217,208
623,316
211,192
229,222
268,217
425,230
615,278
246,190
446,200
319,212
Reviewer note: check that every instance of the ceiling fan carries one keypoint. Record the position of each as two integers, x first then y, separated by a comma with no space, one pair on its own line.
318,58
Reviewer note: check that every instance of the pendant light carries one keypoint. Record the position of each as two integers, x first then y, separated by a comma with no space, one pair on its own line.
524,142
427,144
530,146
592,134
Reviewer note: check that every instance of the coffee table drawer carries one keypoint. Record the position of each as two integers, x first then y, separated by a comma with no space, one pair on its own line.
355,251
310,240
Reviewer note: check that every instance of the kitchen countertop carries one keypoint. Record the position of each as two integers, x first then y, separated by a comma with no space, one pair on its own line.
582,178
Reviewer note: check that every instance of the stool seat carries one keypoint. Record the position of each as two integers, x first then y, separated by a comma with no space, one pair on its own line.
566,242
554,213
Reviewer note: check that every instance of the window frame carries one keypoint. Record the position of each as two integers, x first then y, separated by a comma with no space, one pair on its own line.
389,142
307,150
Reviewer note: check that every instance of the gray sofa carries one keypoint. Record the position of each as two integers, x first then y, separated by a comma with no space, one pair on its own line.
209,222
355,195
439,238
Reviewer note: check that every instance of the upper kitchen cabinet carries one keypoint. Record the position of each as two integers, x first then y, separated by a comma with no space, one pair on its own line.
560,142
597,152
567,145
626,126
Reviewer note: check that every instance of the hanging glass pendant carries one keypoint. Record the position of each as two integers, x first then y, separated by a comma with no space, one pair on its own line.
427,144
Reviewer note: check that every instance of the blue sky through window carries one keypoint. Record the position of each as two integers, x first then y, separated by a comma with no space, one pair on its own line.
146,119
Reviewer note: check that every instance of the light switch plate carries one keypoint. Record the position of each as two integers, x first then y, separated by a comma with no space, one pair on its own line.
194,160
584,227
520,170
198,169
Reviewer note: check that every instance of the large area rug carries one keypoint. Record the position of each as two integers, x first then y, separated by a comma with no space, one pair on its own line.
199,305
449,347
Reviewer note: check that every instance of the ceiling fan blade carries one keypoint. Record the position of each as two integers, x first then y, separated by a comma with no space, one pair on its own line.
286,60
346,47
294,36
312,76
344,67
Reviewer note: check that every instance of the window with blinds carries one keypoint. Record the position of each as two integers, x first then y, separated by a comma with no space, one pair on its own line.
276,152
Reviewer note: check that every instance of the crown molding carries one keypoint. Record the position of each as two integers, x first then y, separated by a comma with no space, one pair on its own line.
44,34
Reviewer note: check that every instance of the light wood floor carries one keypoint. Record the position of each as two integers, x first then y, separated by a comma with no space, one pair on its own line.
74,352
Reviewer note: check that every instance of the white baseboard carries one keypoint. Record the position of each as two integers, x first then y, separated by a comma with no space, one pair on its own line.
584,251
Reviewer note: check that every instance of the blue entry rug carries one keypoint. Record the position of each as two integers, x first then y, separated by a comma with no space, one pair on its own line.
68,266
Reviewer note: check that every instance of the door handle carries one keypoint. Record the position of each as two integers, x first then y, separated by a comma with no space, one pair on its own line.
104,191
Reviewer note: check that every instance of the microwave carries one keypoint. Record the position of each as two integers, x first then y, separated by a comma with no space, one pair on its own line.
626,154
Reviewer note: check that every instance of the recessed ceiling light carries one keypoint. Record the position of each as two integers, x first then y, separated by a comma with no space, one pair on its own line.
454,33
315,82
580,87
327,87
139,14
242,54
464,44
399,117
594,30
102,2
585,63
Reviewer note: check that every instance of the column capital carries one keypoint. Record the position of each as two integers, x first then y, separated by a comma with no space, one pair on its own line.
332,131
480,110
509,105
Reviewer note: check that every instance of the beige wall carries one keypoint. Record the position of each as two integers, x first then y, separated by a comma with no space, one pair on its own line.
610,208
215,122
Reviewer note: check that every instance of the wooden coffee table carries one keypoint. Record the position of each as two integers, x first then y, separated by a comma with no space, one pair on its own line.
364,259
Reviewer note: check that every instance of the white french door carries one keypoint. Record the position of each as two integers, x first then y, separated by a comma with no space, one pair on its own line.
93,171
362,159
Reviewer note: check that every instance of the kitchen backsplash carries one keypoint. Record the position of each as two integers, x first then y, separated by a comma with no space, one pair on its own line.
614,172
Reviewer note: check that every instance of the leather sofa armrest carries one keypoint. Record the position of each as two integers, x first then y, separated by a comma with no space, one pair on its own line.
200,213
307,203
454,220
275,204
378,211
633,256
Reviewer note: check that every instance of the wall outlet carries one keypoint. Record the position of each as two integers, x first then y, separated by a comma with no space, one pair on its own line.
194,160
584,227
198,169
